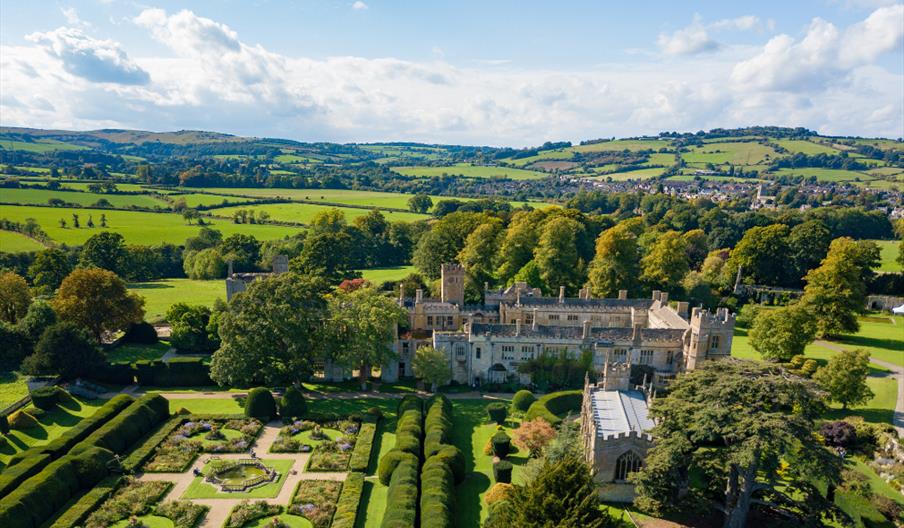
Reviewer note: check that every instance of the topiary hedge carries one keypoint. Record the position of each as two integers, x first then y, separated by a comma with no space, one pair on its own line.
46,398
177,372
143,452
522,400
409,430
555,406
437,424
142,333
139,418
260,404
349,501
502,444
75,516
401,498
37,499
502,471
444,467
292,404
497,412
363,445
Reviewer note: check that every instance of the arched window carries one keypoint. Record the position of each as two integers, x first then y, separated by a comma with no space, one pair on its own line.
626,464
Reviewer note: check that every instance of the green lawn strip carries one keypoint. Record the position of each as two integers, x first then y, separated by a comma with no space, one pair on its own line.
381,275
293,521
876,482
12,387
159,295
199,489
129,353
52,424
207,405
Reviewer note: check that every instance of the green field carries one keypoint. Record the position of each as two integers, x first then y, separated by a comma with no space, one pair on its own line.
201,199
40,145
160,295
736,153
381,275
12,242
472,171
546,155
805,147
638,174
304,213
624,144
41,196
886,171
826,175
136,226
889,249
733,179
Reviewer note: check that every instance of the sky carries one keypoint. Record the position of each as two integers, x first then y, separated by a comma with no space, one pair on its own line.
502,73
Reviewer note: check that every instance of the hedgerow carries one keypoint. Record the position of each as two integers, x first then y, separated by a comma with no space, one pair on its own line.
401,498
409,430
130,425
77,513
552,407
444,467
349,501
363,446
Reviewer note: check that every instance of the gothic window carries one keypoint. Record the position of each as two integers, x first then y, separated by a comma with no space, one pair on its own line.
646,357
626,464
553,317
714,342
477,352
508,352
572,317
620,355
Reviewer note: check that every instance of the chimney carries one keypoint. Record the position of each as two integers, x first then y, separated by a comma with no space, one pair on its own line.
561,294
517,327
401,293
533,324
664,298
517,297
586,333
636,334
682,309
695,312
623,294
656,294
419,296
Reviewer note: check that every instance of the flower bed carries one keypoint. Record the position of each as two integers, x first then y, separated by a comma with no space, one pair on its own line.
316,501
246,512
135,498
184,514
195,436
332,442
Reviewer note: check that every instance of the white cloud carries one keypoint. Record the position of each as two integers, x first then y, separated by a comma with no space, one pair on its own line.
212,79
359,6
690,40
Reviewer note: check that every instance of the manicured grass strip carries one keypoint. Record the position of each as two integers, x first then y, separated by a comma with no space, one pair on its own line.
161,294
89,502
199,489
349,501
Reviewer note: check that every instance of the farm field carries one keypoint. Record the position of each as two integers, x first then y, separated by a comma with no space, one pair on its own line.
12,242
733,179
381,275
624,144
889,249
638,174
304,212
472,171
886,171
825,175
201,199
160,295
40,145
546,155
736,153
137,227
805,147
41,196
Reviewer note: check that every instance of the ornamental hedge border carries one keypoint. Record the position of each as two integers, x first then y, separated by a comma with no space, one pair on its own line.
554,406
29,462
38,498
349,501
129,426
363,447
75,516
445,466
401,498
148,447
409,430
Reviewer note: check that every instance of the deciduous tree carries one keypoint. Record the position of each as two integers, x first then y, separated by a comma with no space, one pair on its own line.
557,255
49,269
616,265
14,296
106,250
420,203
666,263
534,435
782,333
844,378
64,349
98,300
432,366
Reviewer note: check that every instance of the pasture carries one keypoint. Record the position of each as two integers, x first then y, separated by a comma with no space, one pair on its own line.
305,212
624,144
38,146
638,174
41,197
137,227
159,295
471,171
889,249
826,175
736,153
12,242
209,200
794,146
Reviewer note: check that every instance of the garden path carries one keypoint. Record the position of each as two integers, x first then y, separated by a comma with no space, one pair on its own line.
220,508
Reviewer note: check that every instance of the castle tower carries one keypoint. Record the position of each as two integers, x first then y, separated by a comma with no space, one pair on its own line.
453,284
710,336
616,376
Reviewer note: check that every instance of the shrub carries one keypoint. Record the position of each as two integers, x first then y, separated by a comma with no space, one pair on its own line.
437,424
522,400
409,430
316,501
361,455
141,333
497,412
498,491
838,434
502,471
130,425
747,314
375,412
534,435
260,404
453,457
437,494
89,502
136,498
246,512
349,500
552,407
401,498
292,404
45,398
887,507
809,367
797,361
21,420
502,444
184,514
853,481
179,371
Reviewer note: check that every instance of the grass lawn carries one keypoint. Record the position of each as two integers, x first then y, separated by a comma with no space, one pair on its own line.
161,294
12,242
134,352
12,388
381,275
137,227
304,212
234,405
471,171
889,249
199,489
41,196
292,521
883,338
52,424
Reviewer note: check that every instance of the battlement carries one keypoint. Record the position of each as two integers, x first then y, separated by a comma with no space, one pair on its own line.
703,318
636,435
451,267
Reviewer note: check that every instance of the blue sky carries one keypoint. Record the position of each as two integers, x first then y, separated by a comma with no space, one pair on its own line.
501,73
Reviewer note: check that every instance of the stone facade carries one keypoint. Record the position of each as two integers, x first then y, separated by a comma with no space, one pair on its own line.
238,282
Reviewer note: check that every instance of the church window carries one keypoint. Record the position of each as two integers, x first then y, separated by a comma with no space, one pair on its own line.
646,357
714,342
626,464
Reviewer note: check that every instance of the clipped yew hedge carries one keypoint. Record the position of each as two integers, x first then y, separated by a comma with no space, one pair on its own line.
143,452
444,467
37,499
27,463
363,446
177,372
138,419
401,498
75,516
553,407
409,430
349,501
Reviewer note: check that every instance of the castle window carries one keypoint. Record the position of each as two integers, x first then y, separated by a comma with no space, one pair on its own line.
429,320
626,464
714,342
527,352
405,347
572,317
449,322
508,352
621,355
670,357
646,357
529,319
553,317
477,352
460,351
